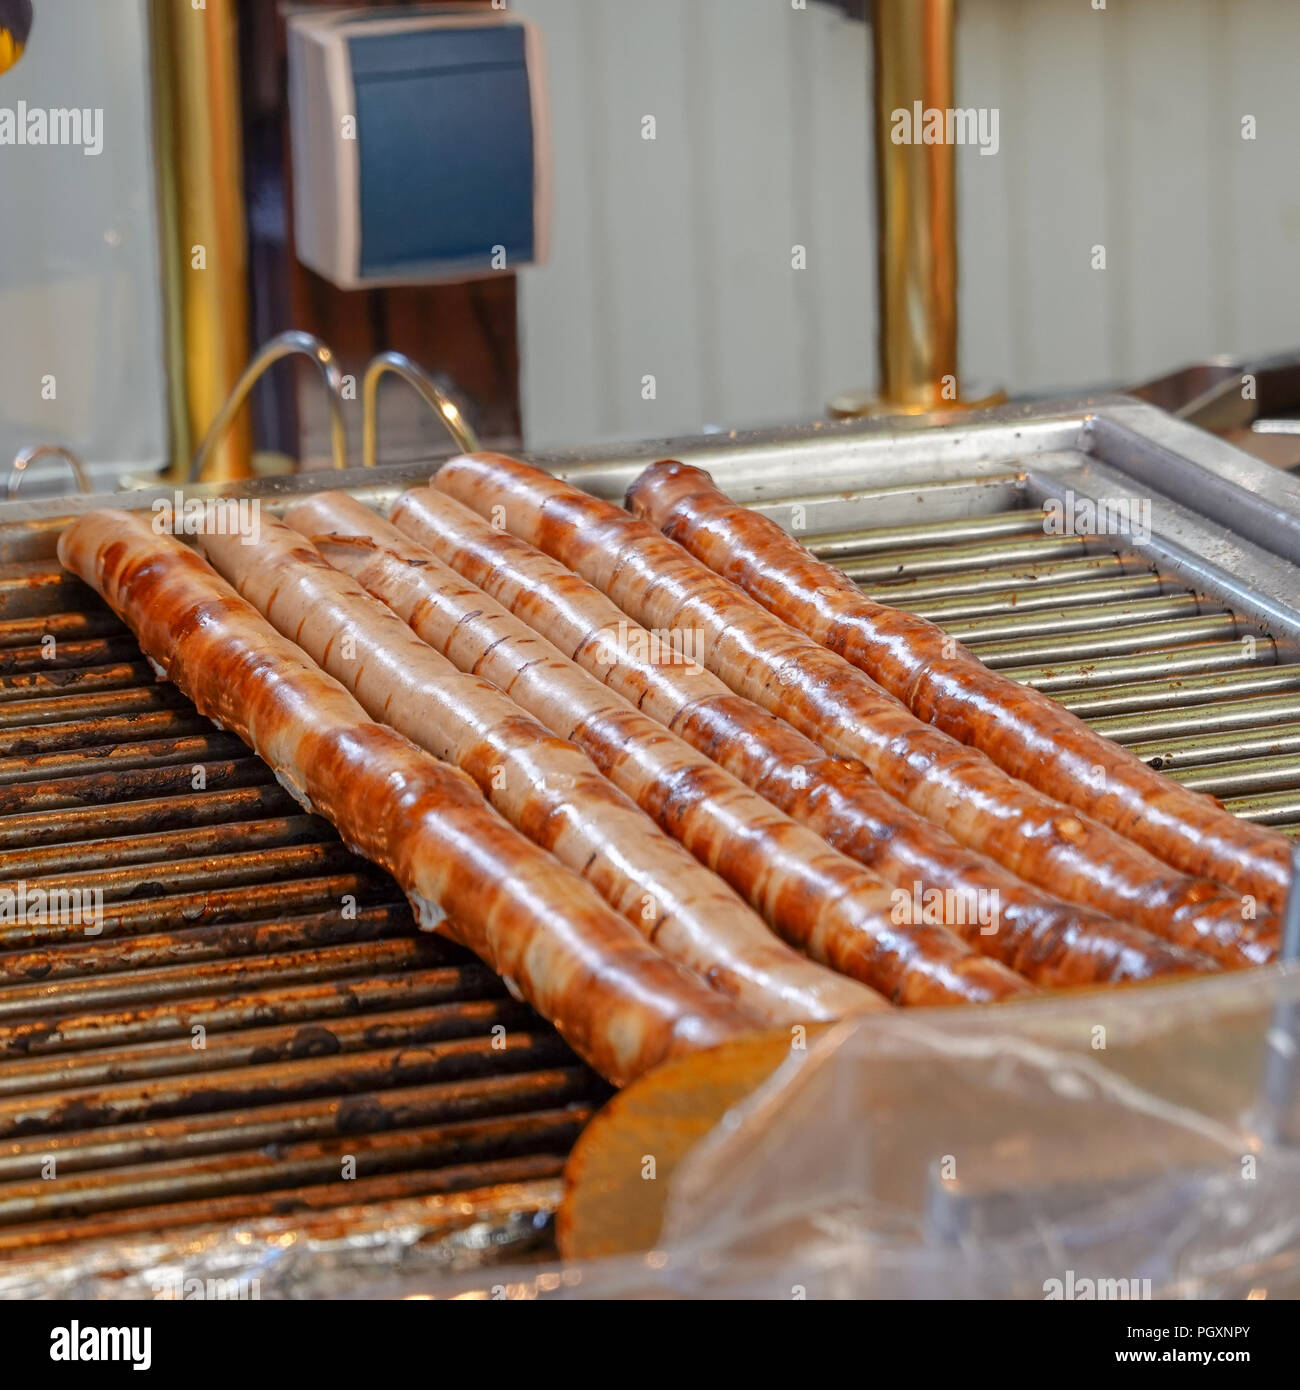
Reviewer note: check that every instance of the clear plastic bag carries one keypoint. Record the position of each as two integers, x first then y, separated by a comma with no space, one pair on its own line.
1122,1144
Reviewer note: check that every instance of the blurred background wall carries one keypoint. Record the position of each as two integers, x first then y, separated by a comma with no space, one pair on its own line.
672,257
1119,127
79,278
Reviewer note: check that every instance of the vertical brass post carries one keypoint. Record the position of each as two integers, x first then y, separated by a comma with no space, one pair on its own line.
198,153
916,217
917,257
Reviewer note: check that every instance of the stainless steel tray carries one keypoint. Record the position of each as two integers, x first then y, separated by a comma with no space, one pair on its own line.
1219,516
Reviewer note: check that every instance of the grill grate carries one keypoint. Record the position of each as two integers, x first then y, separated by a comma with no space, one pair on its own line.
332,1032
330,1035
1191,686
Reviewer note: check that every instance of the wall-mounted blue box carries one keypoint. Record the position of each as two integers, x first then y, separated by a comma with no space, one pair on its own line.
419,143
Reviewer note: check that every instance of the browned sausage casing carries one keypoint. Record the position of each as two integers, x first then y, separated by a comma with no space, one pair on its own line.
1024,732
615,999
816,898
1049,941
543,785
661,586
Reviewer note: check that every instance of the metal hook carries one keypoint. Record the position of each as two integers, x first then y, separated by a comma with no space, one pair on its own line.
295,341
399,364
33,452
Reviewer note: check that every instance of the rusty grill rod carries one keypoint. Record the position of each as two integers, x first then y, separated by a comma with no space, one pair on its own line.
167,845
266,1082
322,998
83,808
48,685
100,704
133,994
304,1161
71,626
227,1210
122,757
212,905
252,1046
126,1145
234,939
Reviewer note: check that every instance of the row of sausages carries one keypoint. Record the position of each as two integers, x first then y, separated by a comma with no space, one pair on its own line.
951,784
619,1002
1024,732
817,899
659,844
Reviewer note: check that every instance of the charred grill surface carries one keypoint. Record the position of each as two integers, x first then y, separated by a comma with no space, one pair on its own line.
211,1011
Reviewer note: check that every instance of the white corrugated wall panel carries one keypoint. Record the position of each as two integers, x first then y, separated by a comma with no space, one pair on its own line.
1118,128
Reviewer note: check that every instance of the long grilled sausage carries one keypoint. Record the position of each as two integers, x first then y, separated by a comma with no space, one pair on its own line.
1023,731
614,998
953,785
1050,942
815,898
543,785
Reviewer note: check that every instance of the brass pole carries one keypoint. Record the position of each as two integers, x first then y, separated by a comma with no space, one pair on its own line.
916,217
201,211
912,52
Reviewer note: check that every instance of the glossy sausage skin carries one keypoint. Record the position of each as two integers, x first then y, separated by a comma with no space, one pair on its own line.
816,899
1024,732
955,786
545,786
1051,942
615,999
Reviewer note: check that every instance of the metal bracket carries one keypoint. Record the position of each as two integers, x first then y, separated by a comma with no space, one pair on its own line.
429,391
29,455
294,342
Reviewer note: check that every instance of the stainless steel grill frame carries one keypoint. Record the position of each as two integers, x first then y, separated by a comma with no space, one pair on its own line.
239,933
